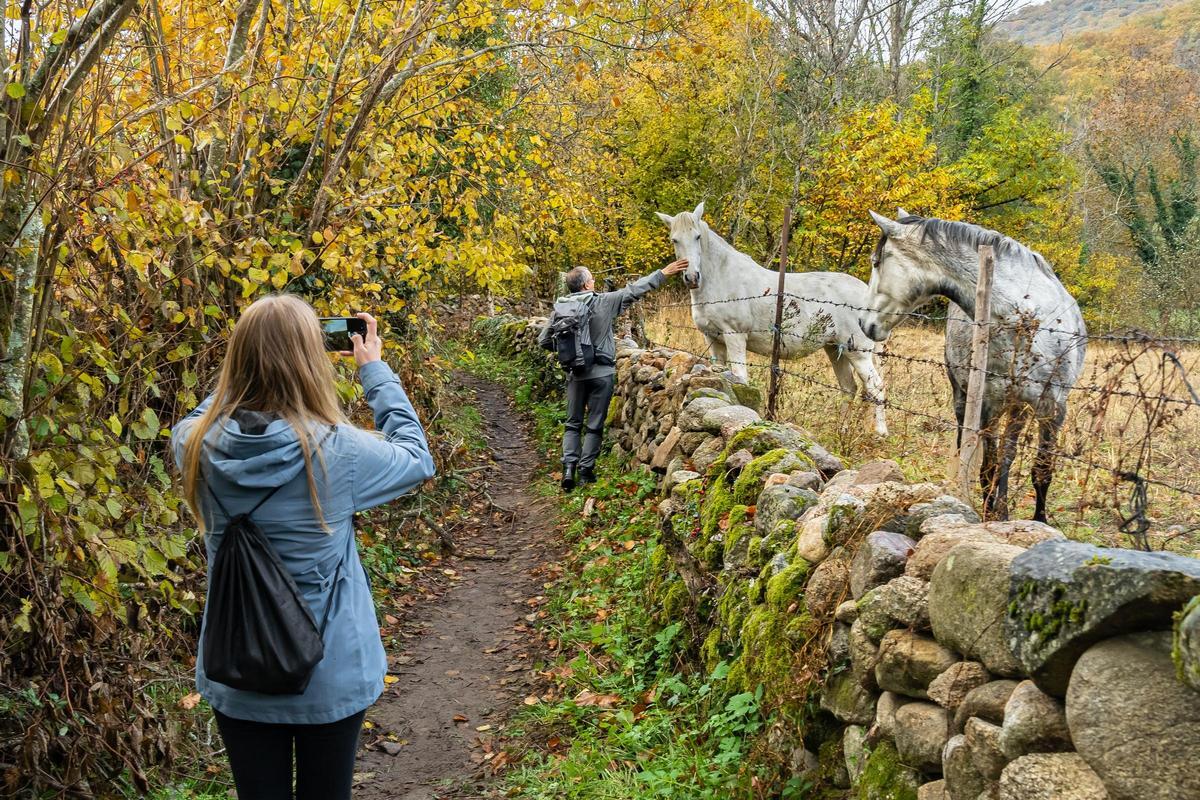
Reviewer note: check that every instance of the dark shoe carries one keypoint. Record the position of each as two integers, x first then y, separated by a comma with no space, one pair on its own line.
568,478
586,475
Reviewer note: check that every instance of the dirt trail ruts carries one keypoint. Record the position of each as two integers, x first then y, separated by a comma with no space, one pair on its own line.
472,663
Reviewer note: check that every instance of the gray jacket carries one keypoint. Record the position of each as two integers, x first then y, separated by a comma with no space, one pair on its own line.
605,309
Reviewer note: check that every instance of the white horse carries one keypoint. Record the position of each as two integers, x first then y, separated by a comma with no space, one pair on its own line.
733,305
1036,348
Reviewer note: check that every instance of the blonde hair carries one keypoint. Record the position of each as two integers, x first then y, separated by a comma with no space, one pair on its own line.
275,362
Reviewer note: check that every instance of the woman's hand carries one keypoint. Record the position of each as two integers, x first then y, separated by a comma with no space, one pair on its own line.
371,348
675,267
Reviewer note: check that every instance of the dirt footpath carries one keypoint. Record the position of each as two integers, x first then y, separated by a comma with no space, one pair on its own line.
471,661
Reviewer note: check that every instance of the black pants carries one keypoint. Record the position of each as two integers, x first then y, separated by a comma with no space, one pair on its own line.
587,402
260,754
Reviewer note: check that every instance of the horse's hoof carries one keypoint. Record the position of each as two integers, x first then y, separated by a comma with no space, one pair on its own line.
730,376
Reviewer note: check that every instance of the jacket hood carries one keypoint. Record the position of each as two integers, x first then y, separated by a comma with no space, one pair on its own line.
255,460
582,297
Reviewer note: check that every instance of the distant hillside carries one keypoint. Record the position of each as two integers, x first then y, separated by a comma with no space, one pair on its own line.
1060,19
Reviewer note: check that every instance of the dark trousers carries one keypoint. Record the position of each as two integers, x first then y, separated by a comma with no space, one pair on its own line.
587,408
260,754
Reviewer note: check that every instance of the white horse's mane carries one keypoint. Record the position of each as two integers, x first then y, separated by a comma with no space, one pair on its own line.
948,237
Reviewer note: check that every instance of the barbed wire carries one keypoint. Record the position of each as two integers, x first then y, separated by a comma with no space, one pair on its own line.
886,354
952,425
1114,336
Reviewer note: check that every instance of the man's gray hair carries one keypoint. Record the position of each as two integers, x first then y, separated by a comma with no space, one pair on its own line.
577,278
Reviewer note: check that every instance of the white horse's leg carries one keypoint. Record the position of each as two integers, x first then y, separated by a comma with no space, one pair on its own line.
735,356
716,345
864,366
842,369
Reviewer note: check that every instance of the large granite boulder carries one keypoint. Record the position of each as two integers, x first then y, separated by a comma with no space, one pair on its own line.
1133,721
906,600
963,781
968,598
940,506
983,741
691,416
707,452
1050,776
729,420
1034,722
885,712
1066,596
827,586
922,730
847,700
934,546
986,702
950,688
779,502
864,656
908,662
881,557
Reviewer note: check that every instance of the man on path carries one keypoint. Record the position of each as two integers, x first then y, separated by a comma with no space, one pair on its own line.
589,392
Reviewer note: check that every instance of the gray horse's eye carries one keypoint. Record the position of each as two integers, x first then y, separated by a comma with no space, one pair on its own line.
674,240
697,237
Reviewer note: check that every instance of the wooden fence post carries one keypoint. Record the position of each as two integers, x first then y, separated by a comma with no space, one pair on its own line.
773,388
966,469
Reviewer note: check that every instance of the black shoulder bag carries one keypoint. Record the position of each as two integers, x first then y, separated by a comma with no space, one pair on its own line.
259,633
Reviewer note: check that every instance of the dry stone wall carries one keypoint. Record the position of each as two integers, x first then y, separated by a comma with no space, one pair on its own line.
950,659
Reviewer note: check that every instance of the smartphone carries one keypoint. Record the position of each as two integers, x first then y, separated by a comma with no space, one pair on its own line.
338,330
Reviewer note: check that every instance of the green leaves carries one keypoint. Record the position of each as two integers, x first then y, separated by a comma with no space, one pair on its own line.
15,90
147,426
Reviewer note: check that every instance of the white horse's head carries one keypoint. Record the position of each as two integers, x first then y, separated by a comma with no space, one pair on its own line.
689,234
899,275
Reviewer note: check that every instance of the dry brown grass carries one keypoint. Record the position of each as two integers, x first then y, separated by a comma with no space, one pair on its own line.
1107,432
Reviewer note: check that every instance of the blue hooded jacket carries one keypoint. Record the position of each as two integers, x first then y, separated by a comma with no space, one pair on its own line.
361,470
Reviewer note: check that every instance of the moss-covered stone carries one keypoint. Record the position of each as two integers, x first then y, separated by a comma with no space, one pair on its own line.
737,545
763,437
733,608
885,778
1185,643
781,536
787,587
614,411
750,480
714,650
675,601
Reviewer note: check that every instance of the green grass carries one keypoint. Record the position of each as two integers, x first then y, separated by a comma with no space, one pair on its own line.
661,729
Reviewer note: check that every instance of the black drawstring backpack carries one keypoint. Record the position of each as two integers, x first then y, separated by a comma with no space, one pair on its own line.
259,633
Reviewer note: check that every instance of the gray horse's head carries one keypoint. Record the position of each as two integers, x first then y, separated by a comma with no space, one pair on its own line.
689,234
900,274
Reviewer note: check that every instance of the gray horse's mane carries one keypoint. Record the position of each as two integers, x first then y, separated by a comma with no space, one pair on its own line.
947,237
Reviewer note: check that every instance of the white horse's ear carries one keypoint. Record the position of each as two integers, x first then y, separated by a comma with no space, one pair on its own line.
699,212
890,228
666,218
901,213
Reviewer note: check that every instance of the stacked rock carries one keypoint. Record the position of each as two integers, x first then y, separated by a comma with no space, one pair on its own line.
959,660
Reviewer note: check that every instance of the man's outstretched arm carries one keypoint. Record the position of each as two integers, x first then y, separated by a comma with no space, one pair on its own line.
642,286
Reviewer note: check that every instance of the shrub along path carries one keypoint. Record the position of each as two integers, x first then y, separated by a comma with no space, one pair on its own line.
471,659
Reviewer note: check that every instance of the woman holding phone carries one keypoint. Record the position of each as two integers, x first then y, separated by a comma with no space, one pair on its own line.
274,433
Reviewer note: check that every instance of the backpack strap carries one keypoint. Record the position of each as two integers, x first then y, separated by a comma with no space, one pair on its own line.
257,505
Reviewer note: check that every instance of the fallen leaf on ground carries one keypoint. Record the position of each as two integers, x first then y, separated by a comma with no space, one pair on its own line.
189,701
590,698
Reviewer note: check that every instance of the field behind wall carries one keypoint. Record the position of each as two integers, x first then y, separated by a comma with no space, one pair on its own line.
1117,417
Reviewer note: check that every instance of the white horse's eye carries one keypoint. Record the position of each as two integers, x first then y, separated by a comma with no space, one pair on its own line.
697,237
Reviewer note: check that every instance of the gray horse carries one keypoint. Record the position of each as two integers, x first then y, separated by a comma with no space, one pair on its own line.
733,305
1037,345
